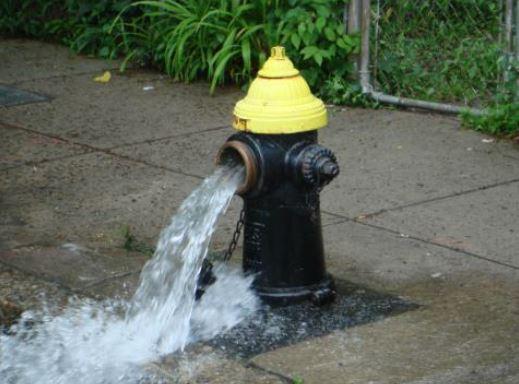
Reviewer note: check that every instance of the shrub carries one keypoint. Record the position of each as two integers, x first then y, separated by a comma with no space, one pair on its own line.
315,37
229,40
222,41
218,40
80,24
501,120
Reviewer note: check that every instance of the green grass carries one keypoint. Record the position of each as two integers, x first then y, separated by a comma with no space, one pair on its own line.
132,244
501,120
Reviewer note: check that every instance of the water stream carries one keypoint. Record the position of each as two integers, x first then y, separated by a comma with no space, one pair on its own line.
112,341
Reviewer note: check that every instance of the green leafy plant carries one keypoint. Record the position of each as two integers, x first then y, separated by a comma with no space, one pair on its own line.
338,90
132,244
92,22
445,50
80,24
315,37
32,18
501,120
218,40
229,40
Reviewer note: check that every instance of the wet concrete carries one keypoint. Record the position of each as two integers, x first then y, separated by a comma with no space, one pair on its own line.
20,291
466,333
465,224
391,159
423,211
88,199
24,59
24,148
121,112
11,96
73,266
202,364
275,327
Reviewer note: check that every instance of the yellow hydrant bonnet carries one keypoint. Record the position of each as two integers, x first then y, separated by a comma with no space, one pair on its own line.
279,101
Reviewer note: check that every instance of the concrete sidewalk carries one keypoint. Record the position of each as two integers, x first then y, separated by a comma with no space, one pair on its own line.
422,210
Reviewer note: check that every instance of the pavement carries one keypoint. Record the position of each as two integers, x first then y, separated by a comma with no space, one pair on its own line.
423,210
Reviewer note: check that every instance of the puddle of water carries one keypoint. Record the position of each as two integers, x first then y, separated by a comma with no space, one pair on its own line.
272,328
10,96
111,341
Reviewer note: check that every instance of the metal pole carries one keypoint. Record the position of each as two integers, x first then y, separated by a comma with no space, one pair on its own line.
414,103
517,47
364,46
377,39
353,27
345,17
500,35
509,6
354,7
517,30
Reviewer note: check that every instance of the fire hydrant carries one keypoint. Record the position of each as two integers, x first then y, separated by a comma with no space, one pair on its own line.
285,169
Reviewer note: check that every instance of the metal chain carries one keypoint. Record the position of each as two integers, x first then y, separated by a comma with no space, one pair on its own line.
235,237
239,227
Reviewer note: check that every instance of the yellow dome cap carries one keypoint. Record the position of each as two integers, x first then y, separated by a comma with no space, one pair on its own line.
279,101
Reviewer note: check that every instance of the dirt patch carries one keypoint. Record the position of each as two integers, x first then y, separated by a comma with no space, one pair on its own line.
9,313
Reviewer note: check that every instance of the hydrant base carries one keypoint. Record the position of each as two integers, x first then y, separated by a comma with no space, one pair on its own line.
320,294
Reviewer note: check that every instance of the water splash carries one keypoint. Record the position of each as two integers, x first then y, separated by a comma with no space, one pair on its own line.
111,341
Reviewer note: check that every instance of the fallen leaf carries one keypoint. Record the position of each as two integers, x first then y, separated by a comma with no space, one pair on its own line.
104,78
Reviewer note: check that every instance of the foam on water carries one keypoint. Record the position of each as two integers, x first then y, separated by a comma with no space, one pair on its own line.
111,341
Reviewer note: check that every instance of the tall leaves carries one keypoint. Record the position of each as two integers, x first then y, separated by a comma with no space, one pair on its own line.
204,38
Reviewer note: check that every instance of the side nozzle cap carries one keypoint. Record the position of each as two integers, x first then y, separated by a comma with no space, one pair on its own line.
317,165
329,169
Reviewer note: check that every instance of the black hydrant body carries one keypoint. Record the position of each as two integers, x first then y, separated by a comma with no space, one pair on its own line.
285,172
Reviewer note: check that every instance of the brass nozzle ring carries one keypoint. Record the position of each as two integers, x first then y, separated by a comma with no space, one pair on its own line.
241,153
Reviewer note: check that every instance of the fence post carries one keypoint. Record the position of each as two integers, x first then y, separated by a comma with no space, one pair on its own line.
354,7
517,47
352,20
364,46
508,40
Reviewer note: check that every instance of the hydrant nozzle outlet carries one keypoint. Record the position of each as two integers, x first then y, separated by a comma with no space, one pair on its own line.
237,152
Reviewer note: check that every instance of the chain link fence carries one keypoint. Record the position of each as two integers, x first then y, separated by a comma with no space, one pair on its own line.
444,54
